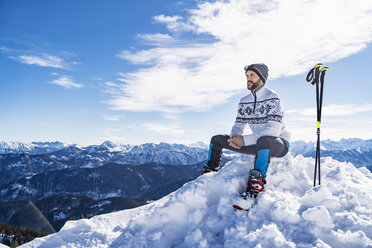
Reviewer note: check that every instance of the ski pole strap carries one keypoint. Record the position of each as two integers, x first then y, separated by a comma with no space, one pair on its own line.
313,74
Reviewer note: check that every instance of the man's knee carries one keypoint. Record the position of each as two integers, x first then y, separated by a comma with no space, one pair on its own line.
214,139
265,142
219,140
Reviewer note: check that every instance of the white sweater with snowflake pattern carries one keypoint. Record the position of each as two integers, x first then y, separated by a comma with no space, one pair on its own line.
262,110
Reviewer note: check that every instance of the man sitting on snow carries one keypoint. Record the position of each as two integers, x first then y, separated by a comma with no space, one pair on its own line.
262,110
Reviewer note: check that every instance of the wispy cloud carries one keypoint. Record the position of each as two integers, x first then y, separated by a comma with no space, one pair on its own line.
171,129
6,49
110,117
111,84
43,59
157,39
334,110
112,88
289,36
334,131
174,23
112,134
48,124
67,82
336,122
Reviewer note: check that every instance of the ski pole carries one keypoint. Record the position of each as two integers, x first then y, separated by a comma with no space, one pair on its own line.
322,75
316,76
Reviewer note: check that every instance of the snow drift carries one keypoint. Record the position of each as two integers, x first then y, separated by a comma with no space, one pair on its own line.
290,213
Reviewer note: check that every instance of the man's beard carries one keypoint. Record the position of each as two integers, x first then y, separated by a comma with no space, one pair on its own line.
254,85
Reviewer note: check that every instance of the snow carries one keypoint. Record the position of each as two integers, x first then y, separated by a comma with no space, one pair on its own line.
289,213
16,186
59,216
89,165
101,204
18,164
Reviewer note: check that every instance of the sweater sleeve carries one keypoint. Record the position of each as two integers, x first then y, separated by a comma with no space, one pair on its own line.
239,126
271,128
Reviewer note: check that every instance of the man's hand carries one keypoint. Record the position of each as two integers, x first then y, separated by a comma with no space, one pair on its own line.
236,141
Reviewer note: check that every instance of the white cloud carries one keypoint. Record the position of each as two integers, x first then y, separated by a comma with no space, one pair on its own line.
157,39
112,88
6,50
334,110
111,84
110,117
170,116
171,129
45,60
174,23
96,78
112,134
338,121
67,82
346,109
289,36
331,130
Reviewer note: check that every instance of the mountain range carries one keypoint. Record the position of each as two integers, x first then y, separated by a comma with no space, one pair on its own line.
44,156
40,172
356,151
289,213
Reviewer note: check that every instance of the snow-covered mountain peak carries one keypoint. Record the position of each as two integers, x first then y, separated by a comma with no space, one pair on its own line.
199,145
290,213
112,147
33,147
15,146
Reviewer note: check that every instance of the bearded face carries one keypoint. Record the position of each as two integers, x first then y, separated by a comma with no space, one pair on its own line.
253,80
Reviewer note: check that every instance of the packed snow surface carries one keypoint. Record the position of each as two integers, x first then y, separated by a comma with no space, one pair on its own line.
289,213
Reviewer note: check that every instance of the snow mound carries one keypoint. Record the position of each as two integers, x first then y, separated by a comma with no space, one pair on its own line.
290,213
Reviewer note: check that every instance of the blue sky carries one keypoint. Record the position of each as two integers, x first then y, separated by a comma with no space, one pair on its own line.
166,71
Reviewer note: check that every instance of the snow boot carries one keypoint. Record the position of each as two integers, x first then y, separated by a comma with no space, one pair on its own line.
255,185
207,168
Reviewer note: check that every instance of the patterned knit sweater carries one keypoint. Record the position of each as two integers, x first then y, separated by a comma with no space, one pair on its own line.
262,110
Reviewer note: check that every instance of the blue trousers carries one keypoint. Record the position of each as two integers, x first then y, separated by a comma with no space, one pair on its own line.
266,147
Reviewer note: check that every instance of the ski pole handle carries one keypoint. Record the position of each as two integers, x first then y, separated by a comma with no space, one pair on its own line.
324,69
313,75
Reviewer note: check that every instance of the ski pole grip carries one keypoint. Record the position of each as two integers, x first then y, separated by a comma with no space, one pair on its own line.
313,74
317,72
323,73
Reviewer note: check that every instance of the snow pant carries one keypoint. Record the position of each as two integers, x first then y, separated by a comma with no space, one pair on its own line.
266,147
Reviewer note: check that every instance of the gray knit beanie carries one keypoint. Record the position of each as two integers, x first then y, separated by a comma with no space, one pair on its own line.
261,70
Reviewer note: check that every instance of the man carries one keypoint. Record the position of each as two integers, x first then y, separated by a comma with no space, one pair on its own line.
262,110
